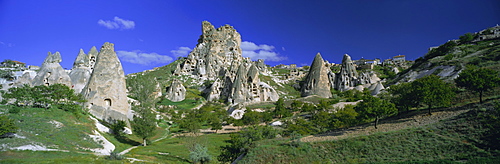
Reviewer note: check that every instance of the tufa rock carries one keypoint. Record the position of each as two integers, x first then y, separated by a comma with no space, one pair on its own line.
215,51
217,57
318,81
176,92
51,72
81,71
347,78
106,91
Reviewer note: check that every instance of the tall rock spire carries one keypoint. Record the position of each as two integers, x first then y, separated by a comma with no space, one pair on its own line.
348,76
318,80
80,73
106,91
51,72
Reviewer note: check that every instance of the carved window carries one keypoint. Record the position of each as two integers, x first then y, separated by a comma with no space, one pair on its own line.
107,102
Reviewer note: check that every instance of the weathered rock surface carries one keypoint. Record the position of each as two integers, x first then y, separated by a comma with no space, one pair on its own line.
106,90
217,57
318,80
348,76
51,72
176,92
216,50
81,71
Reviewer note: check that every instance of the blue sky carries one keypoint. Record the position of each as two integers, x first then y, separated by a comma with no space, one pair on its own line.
151,33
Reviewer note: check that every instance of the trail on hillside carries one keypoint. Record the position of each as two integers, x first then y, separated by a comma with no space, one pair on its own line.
403,121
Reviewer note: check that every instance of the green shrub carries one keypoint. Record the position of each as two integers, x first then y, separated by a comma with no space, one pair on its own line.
14,109
115,156
7,125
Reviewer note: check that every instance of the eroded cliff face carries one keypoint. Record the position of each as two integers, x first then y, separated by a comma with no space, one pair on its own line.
217,57
51,72
106,91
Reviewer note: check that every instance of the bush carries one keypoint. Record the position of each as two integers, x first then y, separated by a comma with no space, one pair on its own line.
200,154
467,37
14,109
7,125
115,156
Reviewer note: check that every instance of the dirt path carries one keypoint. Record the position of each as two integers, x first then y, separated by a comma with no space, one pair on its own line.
408,120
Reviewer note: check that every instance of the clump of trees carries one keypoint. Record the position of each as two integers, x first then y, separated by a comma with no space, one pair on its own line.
478,80
429,90
375,108
244,140
57,95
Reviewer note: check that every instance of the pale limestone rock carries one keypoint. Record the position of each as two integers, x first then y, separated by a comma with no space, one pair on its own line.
51,72
106,90
347,77
81,71
176,92
217,57
318,80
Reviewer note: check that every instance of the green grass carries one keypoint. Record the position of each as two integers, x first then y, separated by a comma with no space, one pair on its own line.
176,150
182,105
50,157
461,138
37,127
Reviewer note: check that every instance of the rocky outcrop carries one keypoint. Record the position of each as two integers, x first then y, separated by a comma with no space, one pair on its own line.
318,81
217,57
51,72
25,79
176,92
216,50
347,78
81,71
106,92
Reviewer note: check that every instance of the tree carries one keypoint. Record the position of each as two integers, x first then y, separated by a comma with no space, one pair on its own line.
144,123
191,122
344,117
251,117
403,96
200,154
242,141
478,80
467,37
375,108
433,91
322,120
7,125
296,105
215,123
280,110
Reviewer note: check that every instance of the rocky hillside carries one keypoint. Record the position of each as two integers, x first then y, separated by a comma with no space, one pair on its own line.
448,60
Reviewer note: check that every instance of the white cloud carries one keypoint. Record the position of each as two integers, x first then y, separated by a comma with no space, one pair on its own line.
181,51
138,57
117,23
262,51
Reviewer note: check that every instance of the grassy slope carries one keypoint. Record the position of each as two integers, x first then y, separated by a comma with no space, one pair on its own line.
176,150
450,140
36,128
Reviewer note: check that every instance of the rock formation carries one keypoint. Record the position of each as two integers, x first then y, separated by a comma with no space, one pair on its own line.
318,80
176,92
106,91
348,76
217,57
24,79
81,71
51,72
216,50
